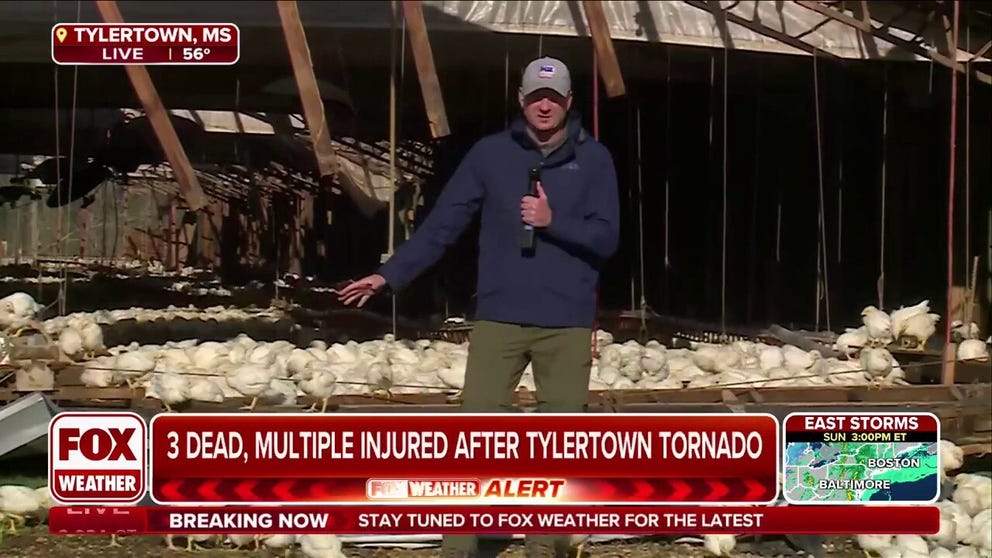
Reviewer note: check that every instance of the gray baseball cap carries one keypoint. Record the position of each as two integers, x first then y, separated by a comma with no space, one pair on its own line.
546,73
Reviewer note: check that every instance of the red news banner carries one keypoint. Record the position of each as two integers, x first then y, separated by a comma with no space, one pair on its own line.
463,459
516,520
146,43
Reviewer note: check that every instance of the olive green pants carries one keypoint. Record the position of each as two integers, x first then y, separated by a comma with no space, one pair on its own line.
561,359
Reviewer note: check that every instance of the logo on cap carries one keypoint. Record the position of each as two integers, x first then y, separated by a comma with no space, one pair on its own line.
546,72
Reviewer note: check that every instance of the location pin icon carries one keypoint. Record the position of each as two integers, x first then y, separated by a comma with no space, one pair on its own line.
60,34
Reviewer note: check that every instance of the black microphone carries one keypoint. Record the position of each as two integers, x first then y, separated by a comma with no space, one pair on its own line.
527,240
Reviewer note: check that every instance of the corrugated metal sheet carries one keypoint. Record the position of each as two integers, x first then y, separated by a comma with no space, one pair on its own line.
671,21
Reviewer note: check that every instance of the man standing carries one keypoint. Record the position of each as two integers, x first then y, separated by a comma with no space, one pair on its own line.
535,304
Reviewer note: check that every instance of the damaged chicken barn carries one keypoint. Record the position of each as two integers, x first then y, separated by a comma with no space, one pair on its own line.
806,225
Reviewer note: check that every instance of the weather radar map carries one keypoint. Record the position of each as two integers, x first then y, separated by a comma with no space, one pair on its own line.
850,458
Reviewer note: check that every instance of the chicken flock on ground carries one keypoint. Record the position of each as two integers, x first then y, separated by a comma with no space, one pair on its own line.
278,372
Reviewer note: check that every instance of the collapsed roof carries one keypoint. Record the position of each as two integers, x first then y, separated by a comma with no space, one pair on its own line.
753,25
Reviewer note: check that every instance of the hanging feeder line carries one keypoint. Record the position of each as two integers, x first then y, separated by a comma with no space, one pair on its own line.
821,253
640,226
840,178
880,286
950,180
756,180
668,157
967,169
723,166
634,160
392,148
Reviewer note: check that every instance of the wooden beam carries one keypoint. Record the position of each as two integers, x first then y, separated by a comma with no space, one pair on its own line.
982,51
609,66
762,29
885,35
189,185
423,57
306,81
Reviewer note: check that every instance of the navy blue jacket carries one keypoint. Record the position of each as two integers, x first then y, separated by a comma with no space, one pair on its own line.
555,285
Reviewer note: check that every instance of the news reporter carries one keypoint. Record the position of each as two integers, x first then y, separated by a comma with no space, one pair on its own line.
534,305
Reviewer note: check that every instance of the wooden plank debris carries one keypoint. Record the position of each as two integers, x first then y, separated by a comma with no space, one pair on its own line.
609,66
758,27
306,81
423,57
189,185
884,34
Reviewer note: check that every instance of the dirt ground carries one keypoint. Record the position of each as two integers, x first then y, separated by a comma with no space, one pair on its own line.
36,542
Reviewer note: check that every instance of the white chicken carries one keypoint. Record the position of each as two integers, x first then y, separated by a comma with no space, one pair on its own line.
92,336
321,386
205,390
919,328
900,317
876,363
18,311
251,380
17,503
279,542
71,343
981,531
852,340
912,546
321,546
972,492
719,545
951,456
131,366
878,325
169,388
946,536
874,543
770,357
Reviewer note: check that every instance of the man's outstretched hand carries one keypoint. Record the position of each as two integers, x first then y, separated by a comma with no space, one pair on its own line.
361,290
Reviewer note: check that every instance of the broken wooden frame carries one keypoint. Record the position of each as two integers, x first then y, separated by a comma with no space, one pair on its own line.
758,27
189,185
423,57
948,59
313,112
306,81
606,56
